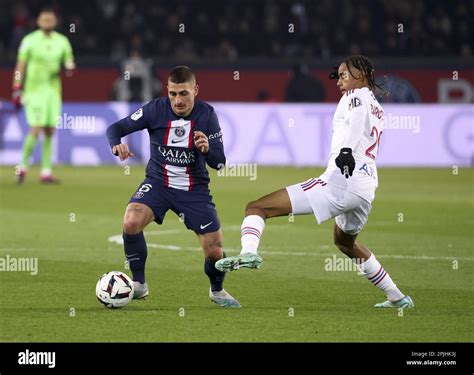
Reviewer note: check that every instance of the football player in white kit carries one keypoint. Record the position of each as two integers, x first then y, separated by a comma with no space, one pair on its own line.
346,189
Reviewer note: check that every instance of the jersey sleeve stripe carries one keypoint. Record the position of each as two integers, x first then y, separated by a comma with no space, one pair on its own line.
191,135
165,171
190,146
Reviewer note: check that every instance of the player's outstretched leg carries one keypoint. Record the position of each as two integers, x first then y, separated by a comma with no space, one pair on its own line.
272,205
372,269
137,217
212,245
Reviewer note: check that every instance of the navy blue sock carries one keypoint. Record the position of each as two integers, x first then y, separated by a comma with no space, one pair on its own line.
216,277
136,253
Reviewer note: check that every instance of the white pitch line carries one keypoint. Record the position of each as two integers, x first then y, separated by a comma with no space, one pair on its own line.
117,239
263,252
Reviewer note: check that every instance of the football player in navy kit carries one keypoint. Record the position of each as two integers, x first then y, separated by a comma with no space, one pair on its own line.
184,136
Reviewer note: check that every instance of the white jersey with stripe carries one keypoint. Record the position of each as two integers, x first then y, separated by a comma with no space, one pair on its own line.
357,124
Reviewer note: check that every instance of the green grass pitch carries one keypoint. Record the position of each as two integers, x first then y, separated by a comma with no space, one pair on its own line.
420,228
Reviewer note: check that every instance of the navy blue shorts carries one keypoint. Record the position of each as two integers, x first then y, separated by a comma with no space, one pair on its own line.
195,208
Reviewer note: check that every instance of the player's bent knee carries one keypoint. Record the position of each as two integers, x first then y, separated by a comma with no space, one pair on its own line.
211,244
251,205
213,251
35,131
345,248
255,208
214,254
133,226
137,217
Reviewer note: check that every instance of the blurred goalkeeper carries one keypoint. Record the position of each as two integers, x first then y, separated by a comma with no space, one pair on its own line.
40,56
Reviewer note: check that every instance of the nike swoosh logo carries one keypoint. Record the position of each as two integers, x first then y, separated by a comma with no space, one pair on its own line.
205,226
177,141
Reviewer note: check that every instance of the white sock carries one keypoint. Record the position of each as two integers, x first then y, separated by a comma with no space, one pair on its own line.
251,230
376,274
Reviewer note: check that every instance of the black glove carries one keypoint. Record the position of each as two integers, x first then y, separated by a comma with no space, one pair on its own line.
345,162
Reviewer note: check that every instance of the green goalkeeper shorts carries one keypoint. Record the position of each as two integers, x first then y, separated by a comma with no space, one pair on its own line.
42,108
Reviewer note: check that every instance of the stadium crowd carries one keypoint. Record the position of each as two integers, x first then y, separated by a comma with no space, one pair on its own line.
230,30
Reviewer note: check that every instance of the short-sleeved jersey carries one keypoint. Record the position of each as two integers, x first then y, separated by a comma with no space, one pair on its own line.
174,160
44,55
358,124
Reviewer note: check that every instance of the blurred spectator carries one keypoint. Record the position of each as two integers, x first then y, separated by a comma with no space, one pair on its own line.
303,87
227,51
136,84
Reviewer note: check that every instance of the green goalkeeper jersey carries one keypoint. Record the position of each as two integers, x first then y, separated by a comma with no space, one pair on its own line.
44,55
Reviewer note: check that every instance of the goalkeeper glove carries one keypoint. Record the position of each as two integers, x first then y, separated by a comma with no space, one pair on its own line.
70,69
17,92
345,162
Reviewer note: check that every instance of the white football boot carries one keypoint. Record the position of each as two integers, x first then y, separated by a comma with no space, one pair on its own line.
140,290
224,299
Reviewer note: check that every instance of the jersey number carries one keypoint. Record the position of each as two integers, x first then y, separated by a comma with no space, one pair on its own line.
375,133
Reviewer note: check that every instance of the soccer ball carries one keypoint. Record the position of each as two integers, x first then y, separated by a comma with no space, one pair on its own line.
114,290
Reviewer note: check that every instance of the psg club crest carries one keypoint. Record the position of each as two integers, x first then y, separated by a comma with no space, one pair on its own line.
179,131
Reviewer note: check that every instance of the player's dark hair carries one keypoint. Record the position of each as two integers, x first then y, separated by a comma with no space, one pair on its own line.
181,74
47,10
363,64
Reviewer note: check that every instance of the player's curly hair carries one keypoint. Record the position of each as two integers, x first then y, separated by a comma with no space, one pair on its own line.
363,64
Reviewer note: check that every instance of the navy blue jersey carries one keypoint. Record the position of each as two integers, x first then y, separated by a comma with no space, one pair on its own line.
174,160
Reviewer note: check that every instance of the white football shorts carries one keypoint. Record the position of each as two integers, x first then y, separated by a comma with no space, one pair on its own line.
327,201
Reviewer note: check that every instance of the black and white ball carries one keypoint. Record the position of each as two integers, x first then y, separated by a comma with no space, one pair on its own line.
114,290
